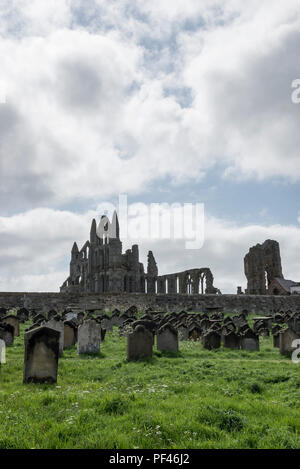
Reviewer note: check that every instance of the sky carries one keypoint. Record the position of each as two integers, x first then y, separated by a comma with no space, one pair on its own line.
164,101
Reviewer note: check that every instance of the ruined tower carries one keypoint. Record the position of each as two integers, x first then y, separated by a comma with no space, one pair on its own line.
262,265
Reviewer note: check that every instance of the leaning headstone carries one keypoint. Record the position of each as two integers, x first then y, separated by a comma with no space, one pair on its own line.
89,337
286,339
7,334
41,355
57,326
167,339
139,344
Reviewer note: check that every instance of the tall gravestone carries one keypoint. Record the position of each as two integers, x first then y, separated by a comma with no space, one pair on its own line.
41,355
167,339
89,337
139,344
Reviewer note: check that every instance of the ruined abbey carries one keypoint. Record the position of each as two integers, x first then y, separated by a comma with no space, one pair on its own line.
101,267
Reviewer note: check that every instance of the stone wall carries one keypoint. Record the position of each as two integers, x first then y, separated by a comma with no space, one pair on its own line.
165,302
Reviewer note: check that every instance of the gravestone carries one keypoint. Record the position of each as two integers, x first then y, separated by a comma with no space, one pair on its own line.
41,355
286,339
231,340
249,340
70,332
139,344
276,340
51,314
7,334
14,322
89,337
195,332
57,326
2,352
167,339
211,340
183,332
23,315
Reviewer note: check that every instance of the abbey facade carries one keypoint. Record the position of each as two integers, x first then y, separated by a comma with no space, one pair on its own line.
101,267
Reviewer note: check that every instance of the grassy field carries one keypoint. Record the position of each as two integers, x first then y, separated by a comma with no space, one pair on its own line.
196,399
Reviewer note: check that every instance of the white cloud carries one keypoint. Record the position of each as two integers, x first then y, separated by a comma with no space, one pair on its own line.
94,93
87,113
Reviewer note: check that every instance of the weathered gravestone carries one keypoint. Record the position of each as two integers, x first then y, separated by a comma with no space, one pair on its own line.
89,337
194,332
23,315
139,344
183,332
231,340
57,326
70,333
41,355
2,352
51,314
286,339
249,340
14,322
7,334
167,338
211,340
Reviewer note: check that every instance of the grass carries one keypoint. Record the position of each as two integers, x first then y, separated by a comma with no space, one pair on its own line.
196,399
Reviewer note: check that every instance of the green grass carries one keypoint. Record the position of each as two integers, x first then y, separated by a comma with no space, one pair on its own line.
197,399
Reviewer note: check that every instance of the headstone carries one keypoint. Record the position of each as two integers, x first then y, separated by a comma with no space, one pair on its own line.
286,339
23,314
57,326
51,314
249,341
89,337
139,344
14,322
194,332
41,355
183,332
69,334
2,352
167,339
231,340
211,340
7,334
276,340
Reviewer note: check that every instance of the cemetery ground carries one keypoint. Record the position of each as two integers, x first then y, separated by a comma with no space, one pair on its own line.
194,399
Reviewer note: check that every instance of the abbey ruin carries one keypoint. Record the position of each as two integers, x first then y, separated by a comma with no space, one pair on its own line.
101,267
103,278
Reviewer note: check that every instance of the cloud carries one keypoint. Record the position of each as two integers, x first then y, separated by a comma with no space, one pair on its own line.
108,105
109,97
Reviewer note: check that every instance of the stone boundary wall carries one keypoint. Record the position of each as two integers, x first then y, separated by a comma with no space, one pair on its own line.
164,302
